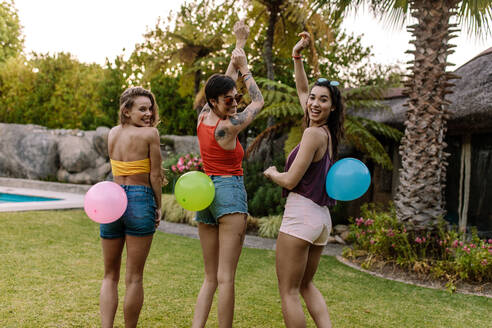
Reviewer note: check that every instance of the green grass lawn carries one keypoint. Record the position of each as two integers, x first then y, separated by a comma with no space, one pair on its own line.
51,270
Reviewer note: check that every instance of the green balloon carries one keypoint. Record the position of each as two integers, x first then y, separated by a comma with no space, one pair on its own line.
194,191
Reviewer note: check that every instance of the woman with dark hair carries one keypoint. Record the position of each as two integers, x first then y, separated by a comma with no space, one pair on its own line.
222,225
306,223
134,150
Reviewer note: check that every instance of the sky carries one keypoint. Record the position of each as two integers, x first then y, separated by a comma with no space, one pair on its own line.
92,30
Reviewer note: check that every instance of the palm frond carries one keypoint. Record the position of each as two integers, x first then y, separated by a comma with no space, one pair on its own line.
255,145
380,128
282,110
363,140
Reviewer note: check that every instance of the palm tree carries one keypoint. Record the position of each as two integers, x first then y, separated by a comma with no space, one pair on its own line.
420,196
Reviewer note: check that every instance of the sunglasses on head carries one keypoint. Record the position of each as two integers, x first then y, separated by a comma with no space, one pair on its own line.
332,83
228,100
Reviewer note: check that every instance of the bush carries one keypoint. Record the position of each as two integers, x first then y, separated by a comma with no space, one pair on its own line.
178,165
440,251
269,226
264,197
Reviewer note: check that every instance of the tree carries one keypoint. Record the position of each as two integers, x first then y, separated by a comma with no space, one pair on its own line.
11,38
420,196
191,44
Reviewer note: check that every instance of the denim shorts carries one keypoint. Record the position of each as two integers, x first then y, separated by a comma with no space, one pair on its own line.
230,197
139,217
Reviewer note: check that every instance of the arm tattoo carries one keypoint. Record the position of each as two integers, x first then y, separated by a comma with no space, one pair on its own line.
220,133
254,92
240,118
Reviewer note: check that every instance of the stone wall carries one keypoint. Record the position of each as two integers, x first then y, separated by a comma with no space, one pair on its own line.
75,156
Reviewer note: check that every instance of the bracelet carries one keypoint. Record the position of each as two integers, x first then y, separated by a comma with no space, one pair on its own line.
297,57
247,76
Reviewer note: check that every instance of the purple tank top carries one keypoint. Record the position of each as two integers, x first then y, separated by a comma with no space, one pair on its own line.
312,184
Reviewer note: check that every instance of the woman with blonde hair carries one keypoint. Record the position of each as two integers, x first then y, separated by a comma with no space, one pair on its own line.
134,150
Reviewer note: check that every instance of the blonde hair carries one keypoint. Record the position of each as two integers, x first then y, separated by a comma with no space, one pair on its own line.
127,99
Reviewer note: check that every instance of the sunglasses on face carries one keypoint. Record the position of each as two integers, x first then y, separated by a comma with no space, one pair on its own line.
332,83
228,100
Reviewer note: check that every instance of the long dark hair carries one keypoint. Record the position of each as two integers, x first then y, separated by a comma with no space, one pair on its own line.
336,118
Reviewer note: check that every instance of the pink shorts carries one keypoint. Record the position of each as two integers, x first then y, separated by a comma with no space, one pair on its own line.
306,220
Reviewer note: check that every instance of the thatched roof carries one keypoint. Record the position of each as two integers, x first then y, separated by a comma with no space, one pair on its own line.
471,102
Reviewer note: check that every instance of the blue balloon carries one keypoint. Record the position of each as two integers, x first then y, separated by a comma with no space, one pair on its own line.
347,179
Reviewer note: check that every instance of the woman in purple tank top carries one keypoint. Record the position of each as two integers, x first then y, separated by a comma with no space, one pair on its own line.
306,223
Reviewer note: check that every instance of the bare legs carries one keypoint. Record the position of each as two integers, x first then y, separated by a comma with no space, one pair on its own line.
108,299
137,251
221,250
296,263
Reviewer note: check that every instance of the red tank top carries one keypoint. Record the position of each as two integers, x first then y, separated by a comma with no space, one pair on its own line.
217,160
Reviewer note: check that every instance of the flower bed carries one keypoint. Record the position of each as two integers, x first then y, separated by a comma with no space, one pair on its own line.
440,252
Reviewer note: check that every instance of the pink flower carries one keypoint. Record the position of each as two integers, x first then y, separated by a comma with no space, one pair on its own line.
390,233
187,156
461,243
372,241
490,241
440,242
483,246
173,168
490,250
404,229
357,235
418,240
180,161
393,245
466,249
363,233
455,243
484,262
473,245
448,250
423,239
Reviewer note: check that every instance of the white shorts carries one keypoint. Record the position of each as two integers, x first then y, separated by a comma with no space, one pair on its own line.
306,220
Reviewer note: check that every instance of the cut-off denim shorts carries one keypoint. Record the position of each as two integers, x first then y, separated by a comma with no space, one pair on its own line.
230,197
139,217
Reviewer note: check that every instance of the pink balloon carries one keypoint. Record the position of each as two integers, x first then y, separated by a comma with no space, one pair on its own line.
105,202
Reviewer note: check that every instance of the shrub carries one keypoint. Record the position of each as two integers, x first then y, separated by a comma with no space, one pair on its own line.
178,165
264,197
269,226
440,251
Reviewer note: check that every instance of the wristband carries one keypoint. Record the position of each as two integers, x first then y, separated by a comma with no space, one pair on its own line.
297,57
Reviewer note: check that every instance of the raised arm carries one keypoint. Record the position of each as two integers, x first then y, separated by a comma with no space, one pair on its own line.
241,31
241,120
302,84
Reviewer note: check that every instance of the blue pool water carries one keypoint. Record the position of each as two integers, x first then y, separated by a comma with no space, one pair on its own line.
14,198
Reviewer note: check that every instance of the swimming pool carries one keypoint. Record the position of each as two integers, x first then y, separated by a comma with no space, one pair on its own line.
14,198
